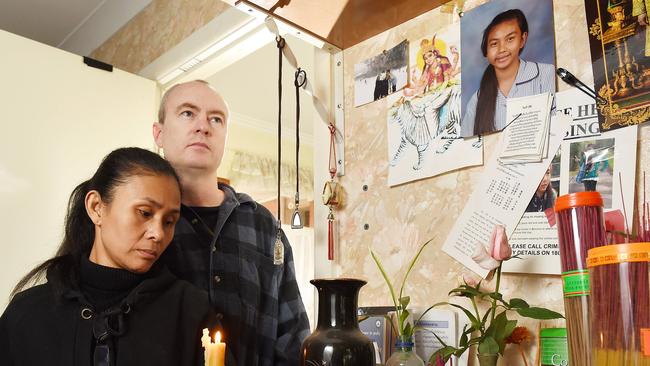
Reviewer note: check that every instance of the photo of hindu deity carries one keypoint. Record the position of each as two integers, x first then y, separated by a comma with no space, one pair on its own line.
435,64
423,122
381,75
620,54
508,51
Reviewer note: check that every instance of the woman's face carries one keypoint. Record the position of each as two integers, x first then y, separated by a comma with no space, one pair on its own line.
503,44
133,230
546,180
429,57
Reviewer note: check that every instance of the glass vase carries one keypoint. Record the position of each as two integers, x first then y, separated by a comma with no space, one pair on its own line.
404,354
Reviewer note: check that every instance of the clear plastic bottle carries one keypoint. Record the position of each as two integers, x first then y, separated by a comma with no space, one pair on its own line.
404,354
619,304
580,227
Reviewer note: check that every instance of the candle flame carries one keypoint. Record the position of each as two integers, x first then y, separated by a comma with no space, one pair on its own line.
217,337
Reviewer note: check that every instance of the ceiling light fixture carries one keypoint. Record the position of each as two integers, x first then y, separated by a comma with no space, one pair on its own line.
224,42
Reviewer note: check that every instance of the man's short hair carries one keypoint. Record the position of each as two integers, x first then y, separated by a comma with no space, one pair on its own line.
163,100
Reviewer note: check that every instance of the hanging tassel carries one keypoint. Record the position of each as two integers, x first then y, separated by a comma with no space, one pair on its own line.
330,236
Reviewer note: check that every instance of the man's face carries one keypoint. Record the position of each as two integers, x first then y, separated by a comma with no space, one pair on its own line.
503,44
193,134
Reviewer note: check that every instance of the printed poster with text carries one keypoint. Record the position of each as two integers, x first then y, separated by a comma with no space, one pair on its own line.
609,153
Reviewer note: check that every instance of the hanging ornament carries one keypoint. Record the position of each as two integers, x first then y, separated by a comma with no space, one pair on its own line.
300,78
331,194
278,250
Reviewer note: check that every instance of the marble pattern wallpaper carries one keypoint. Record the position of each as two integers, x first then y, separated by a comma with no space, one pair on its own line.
157,28
400,219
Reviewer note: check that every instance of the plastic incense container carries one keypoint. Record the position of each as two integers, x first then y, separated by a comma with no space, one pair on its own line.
580,227
553,344
619,310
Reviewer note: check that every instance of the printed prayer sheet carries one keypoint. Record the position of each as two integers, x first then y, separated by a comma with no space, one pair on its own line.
501,197
526,136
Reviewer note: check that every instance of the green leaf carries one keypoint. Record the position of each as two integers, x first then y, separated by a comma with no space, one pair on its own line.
463,338
498,297
408,331
404,301
500,329
465,291
439,339
539,313
488,346
460,351
496,327
412,264
518,304
510,326
495,295
403,316
507,331
383,274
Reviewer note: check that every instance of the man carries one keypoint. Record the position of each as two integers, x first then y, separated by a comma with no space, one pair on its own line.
225,241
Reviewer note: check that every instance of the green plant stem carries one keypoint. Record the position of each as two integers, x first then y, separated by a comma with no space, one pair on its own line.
400,324
496,291
478,315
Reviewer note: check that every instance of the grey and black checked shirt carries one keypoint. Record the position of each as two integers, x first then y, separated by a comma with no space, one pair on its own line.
257,301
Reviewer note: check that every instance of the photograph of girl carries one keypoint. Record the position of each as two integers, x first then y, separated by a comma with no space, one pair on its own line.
516,59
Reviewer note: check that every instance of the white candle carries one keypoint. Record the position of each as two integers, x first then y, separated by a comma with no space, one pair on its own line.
215,353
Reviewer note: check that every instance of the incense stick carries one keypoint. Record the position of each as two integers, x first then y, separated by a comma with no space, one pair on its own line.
620,308
580,228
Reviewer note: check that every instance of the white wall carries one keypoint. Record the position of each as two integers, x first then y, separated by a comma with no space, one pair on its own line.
58,118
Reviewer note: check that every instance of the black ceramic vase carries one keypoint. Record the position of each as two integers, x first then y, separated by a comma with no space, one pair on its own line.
337,340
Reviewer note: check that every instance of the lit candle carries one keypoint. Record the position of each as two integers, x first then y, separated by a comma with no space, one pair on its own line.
215,353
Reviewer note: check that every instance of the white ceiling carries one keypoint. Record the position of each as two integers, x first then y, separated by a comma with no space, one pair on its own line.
77,26
251,87
249,82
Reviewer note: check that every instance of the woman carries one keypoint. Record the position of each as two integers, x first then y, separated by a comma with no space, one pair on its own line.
544,197
506,76
436,69
591,164
106,302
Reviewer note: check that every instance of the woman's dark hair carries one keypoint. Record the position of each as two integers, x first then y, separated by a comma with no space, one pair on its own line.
79,231
487,92
551,196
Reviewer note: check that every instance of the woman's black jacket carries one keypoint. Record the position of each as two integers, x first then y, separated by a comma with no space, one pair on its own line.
159,323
